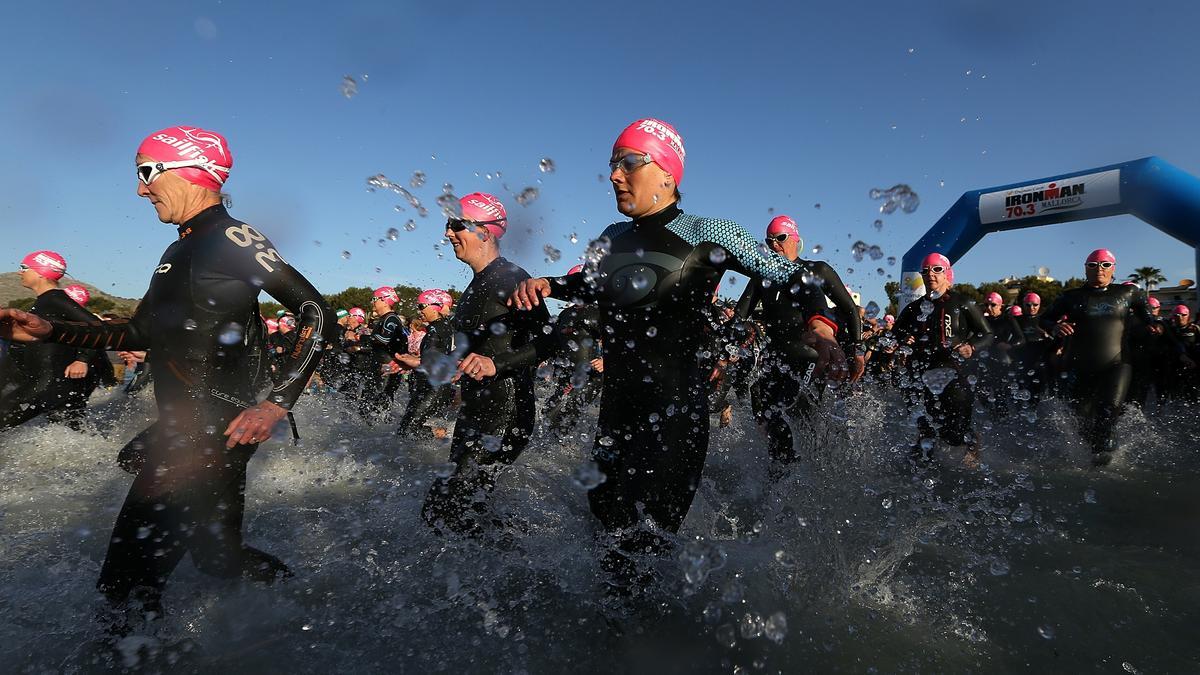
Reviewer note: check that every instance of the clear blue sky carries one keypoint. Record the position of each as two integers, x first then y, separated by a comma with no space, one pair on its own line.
780,107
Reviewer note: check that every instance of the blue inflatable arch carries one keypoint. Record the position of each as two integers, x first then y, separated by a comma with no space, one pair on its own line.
1149,188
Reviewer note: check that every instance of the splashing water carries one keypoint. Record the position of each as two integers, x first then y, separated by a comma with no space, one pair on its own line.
872,309
410,225
417,180
898,196
349,86
527,196
393,234
553,255
546,165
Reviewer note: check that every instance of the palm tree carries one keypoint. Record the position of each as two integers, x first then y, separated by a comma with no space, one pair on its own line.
1148,277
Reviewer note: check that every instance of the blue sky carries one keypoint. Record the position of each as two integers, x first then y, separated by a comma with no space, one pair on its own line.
780,107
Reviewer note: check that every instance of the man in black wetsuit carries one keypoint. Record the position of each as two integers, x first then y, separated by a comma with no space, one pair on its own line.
997,373
426,397
943,329
1093,320
200,322
653,277
44,378
502,348
1148,352
387,334
789,387
1183,356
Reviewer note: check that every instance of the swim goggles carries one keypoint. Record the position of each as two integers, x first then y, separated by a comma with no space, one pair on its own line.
148,172
1102,264
629,163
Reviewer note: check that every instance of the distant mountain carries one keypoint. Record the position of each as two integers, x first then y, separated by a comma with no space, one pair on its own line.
11,289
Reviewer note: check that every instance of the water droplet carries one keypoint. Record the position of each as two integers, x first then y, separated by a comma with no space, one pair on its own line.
751,626
410,225
886,503
189,324
717,256
349,87
1046,631
892,260
393,234
546,165
606,441
527,196
898,196
588,475
817,248
998,567
726,636
1022,513
552,254
345,255
879,271
775,627
639,281
878,224
1089,496
875,252
231,335
417,180
817,205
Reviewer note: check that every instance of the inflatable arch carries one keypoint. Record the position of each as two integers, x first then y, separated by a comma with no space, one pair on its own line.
1149,188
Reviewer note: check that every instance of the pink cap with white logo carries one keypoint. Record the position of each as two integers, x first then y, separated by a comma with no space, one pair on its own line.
184,143
48,264
484,208
435,297
358,311
995,297
783,225
78,293
657,139
386,294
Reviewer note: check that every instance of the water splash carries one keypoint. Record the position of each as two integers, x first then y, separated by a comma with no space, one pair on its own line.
546,165
898,196
527,196
349,86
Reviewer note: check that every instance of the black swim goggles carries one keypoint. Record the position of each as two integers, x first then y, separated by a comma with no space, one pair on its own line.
629,163
936,269
461,224
1102,264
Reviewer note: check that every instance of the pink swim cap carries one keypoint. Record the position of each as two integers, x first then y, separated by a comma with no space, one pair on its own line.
657,139
576,269
358,311
48,264
484,208
272,325
783,225
1181,310
78,293
995,297
1032,298
179,144
1102,255
1016,310
1153,302
435,297
939,259
387,294
288,320
889,319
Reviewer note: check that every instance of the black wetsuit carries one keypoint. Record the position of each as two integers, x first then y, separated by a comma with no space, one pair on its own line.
424,399
199,322
497,414
1182,381
787,390
386,334
653,288
1097,372
936,328
578,342
996,370
1150,354
34,380
1032,357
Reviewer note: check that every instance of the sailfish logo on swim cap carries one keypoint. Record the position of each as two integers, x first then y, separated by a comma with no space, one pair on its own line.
657,139
481,207
208,149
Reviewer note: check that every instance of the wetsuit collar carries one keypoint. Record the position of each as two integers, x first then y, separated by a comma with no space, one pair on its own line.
659,219
203,220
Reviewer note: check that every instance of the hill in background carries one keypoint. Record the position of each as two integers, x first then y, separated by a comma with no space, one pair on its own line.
11,289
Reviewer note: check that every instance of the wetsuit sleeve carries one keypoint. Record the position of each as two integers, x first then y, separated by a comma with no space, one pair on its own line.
1057,310
906,323
749,299
540,345
847,311
316,323
975,323
1141,308
1016,337
571,287
119,334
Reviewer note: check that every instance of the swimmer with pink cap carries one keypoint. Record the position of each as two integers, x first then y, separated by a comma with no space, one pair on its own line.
1154,302
435,297
646,167
937,264
1016,310
198,156
1099,268
386,295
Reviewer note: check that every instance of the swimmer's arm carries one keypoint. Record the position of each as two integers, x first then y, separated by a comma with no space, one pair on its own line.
1017,337
117,335
749,299
847,311
979,329
540,347
316,324
571,287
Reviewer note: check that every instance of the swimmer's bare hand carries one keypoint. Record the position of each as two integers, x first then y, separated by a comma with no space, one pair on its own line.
477,367
1187,361
21,326
598,365
858,366
529,293
76,371
831,360
254,425
1063,329
1156,328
